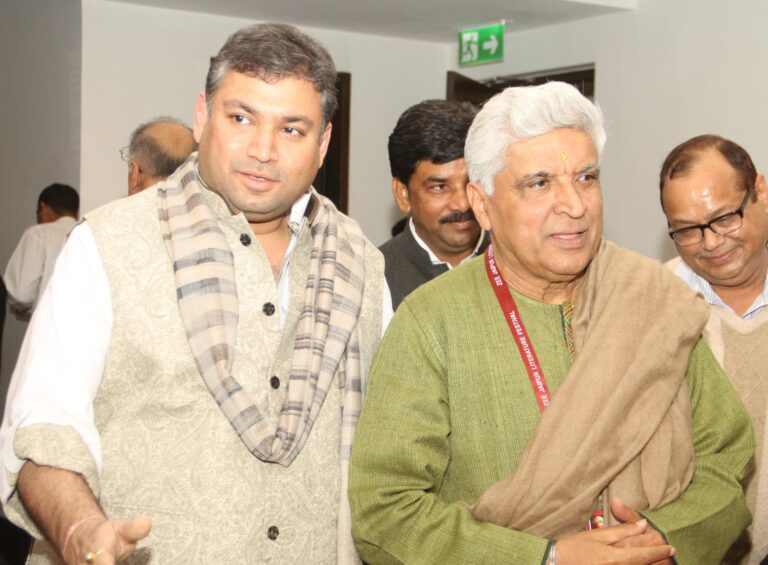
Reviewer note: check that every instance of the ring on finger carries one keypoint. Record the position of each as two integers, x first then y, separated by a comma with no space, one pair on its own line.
91,556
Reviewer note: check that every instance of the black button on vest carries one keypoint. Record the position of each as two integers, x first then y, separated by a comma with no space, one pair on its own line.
274,382
245,239
273,532
268,308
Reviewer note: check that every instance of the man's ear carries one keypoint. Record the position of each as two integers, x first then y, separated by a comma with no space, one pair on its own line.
45,214
201,115
134,178
325,140
479,201
400,193
761,190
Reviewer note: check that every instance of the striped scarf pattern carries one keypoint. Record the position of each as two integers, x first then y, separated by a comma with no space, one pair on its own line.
326,340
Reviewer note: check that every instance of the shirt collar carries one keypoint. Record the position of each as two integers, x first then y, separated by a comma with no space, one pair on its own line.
700,285
65,220
299,214
434,258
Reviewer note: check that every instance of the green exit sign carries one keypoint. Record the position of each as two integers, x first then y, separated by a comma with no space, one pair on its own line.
480,45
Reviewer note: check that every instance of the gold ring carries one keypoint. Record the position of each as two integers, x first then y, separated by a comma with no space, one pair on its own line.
91,556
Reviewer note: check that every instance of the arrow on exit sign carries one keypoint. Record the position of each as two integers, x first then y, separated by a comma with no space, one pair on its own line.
480,45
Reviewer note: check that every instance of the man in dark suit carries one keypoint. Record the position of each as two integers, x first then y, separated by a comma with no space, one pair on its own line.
429,182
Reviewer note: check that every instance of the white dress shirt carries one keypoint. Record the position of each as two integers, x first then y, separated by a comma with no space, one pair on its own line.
699,284
434,258
31,264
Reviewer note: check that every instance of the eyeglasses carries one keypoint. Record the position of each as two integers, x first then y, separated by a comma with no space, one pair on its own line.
125,154
722,225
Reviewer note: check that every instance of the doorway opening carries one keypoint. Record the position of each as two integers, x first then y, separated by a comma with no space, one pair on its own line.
465,89
332,179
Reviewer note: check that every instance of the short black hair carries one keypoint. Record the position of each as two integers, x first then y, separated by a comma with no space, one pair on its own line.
61,198
432,130
274,51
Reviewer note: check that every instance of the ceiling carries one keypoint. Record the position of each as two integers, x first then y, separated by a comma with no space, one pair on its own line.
429,20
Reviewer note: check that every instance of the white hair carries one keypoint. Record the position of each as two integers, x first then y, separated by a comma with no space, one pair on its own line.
520,113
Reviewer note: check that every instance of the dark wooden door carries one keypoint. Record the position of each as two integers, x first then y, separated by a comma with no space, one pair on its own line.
332,179
465,89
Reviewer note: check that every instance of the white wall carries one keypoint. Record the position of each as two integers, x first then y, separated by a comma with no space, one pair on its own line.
668,71
142,62
39,124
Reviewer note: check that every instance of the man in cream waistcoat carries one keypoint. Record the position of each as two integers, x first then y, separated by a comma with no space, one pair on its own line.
717,210
206,343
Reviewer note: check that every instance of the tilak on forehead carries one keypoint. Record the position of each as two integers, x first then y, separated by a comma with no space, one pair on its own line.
564,159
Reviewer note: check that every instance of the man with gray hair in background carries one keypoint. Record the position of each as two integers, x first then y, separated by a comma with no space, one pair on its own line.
200,359
156,149
550,401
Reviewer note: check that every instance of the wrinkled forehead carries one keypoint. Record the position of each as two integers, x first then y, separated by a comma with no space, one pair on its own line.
556,152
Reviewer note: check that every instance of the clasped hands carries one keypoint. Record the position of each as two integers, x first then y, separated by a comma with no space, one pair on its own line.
634,541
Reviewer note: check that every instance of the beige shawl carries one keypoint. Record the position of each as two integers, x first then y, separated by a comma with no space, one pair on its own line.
621,420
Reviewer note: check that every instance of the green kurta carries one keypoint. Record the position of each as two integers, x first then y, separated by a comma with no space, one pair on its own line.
449,411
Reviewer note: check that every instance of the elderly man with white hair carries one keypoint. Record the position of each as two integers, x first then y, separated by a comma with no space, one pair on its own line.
550,401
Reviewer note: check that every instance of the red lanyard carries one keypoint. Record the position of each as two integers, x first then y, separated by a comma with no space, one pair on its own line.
517,328
539,383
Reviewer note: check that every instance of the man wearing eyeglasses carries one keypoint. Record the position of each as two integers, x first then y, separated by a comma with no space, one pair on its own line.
717,211
156,149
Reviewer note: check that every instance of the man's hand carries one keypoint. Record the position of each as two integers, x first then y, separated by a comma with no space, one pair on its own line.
105,541
651,537
603,545
65,510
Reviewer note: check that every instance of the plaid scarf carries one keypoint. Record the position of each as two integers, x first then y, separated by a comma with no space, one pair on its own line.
326,340
326,337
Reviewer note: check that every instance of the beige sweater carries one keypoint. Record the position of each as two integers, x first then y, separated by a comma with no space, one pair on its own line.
741,348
